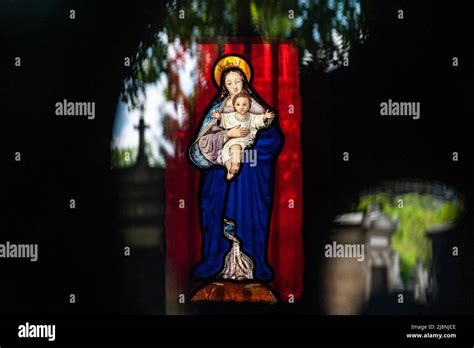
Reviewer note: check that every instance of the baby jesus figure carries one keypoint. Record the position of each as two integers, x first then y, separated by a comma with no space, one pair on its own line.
241,117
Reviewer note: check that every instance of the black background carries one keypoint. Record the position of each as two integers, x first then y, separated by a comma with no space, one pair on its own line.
80,252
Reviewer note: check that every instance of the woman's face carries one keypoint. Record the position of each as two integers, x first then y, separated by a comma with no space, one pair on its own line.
233,83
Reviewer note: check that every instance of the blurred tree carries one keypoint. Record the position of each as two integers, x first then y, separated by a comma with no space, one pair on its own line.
419,213
323,30
123,157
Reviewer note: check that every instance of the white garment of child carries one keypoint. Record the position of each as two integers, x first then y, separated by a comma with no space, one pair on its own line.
253,122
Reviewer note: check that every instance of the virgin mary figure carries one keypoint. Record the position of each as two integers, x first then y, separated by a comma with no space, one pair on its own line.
234,215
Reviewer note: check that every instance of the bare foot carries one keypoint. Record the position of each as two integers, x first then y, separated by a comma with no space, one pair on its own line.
236,153
234,167
228,166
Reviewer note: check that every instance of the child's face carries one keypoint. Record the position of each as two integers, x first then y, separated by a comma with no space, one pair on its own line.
242,105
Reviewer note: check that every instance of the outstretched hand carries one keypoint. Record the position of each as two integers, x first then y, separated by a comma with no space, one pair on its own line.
269,115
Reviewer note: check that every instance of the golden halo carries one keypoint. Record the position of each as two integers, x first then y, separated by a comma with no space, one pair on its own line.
228,62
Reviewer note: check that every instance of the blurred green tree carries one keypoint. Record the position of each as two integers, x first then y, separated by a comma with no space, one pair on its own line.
419,213
323,30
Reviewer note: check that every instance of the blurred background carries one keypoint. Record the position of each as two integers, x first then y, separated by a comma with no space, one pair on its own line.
411,233
352,56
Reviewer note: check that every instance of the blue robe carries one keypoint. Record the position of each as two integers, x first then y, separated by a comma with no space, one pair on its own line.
247,200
